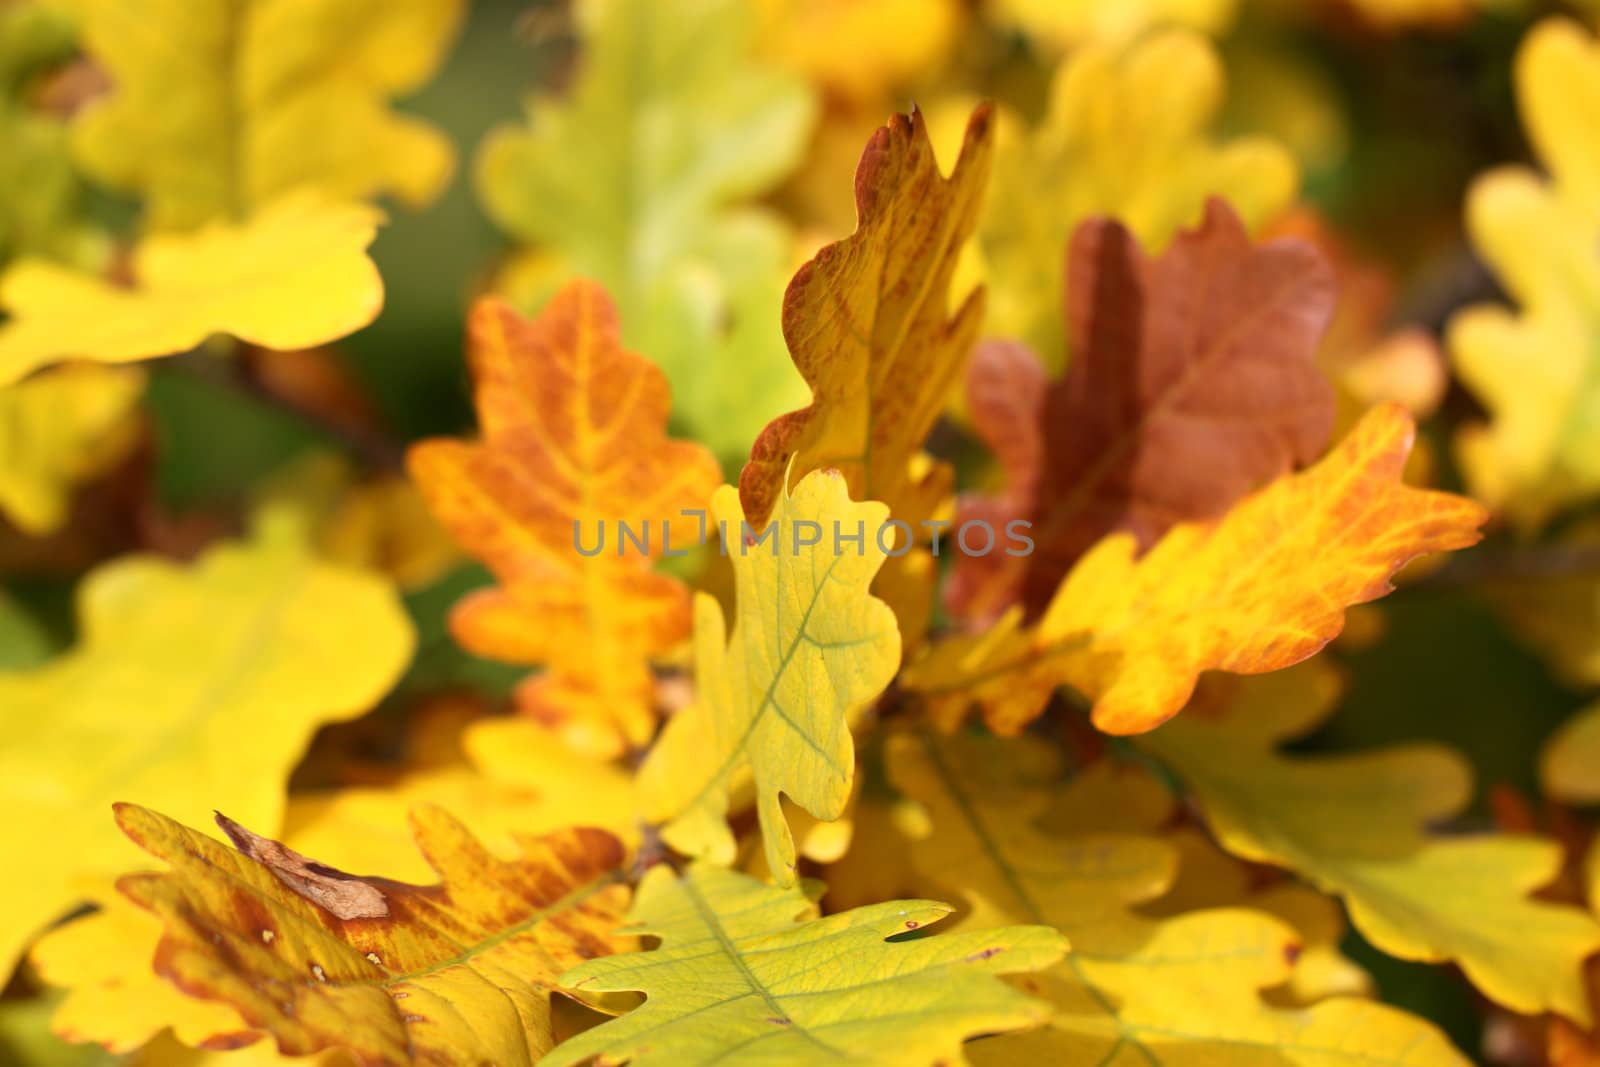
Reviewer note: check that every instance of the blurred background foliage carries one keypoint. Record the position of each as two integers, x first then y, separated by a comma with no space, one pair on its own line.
1390,107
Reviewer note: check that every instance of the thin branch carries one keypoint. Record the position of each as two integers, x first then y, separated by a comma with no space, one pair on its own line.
233,373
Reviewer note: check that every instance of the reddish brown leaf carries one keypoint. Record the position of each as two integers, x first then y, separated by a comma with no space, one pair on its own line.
1193,381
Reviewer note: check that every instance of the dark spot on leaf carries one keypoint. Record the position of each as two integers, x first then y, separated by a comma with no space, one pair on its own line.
985,954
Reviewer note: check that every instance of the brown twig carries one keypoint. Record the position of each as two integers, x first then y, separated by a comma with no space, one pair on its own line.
232,373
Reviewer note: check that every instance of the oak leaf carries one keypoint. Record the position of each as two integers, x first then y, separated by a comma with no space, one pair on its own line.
190,686
516,780
294,275
746,969
809,645
1193,381
1261,588
867,321
574,443
1569,764
1533,369
444,973
217,111
1133,988
1126,133
641,178
860,51
1062,25
1356,825
59,429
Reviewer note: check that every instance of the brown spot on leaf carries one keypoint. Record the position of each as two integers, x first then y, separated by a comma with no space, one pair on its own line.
345,896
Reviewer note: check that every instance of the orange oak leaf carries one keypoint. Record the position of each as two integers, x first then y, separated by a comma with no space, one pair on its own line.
1261,588
459,972
1193,381
868,325
574,442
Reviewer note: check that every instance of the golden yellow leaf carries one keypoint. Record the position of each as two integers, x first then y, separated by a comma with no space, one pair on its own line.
1533,368
574,445
114,996
1210,878
868,324
58,429
455,972
809,645
746,973
1127,134
380,522
190,687
860,50
1061,25
1569,769
218,109
1133,988
1356,825
520,779
1261,588
294,275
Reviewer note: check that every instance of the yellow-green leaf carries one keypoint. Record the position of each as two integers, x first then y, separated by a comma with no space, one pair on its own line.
457,972
58,429
191,687
220,108
293,276
809,645
745,973
641,179
1133,989
1356,825
1534,368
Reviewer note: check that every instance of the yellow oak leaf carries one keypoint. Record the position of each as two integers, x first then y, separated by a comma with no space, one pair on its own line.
868,323
574,444
1134,988
1355,824
219,109
1533,368
114,997
860,50
380,522
746,970
58,429
1569,768
294,275
189,687
809,645
455,972
518,780
1210,878
1061,25
1261,588
641,177
1127,133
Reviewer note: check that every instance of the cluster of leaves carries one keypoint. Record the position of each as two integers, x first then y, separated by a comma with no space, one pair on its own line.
702,806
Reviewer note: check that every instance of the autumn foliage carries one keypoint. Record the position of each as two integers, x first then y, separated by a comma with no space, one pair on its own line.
1027,578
